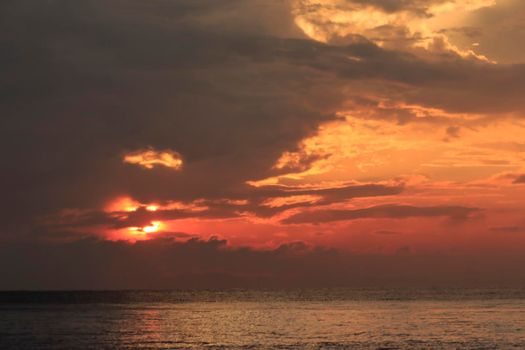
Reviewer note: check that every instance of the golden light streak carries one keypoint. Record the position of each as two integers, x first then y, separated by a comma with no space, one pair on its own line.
283,201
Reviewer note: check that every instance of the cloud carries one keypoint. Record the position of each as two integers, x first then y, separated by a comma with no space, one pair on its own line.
267,201
519,179
387,232
500,26
391,211
192,77
330,194
401,25
422,7
460,83
166,263
507,229
453,131
261,202
150,158
140,219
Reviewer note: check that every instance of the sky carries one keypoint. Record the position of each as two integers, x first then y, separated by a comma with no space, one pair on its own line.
262,143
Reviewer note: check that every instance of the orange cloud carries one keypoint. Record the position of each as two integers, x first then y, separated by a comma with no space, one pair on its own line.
150,158
283,201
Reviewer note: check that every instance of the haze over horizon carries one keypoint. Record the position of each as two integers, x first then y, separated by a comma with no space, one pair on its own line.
262,143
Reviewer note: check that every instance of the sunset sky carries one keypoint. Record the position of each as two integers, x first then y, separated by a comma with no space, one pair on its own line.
262,143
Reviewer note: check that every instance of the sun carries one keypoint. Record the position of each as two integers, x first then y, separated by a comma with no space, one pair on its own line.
152,207
153,227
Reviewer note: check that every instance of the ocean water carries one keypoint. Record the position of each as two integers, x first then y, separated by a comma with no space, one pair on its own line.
236,319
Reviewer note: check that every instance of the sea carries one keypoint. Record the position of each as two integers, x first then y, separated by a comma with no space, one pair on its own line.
264,319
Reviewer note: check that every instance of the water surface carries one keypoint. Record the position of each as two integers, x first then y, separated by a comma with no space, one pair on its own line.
309,319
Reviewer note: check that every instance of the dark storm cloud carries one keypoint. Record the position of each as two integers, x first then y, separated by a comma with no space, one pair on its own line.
392,211
169,264
83,83
452,84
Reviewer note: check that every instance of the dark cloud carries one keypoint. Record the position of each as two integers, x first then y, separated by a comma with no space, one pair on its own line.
85,83
507,229
502,27
417,6
325,196
253,201
470,32
332,194
519,179
159,263
169,264
138,218
392,211
453,131
454,85
406,250
387,232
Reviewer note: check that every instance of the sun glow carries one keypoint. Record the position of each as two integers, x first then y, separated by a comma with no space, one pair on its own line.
122,204
152,207
153,227
127,204
125,207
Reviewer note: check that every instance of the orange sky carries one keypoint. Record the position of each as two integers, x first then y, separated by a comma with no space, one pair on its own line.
368,127
443,159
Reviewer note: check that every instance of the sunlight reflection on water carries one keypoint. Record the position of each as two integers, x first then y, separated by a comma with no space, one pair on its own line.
323,322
